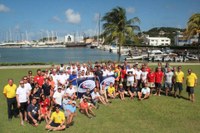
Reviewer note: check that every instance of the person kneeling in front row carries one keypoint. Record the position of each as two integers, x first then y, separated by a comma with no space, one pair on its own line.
33,113
145,92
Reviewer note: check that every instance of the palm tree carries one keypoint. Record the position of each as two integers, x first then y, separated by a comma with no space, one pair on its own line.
193,28
118,29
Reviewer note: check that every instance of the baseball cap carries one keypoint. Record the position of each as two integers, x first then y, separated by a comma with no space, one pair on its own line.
74,102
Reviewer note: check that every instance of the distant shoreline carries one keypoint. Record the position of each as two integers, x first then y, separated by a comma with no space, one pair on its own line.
48,66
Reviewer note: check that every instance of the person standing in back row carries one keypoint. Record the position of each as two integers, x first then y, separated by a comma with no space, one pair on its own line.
9,92
179,78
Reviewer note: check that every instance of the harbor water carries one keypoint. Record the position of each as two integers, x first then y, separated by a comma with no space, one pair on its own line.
54,55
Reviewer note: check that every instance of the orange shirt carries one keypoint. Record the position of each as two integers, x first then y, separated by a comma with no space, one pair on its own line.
84,105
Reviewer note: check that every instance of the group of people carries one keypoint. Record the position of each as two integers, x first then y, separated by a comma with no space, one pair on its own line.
51,95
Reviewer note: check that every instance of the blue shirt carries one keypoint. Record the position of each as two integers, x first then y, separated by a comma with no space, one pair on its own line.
67,106
72,77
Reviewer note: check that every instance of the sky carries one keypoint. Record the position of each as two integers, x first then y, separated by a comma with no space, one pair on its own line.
38,18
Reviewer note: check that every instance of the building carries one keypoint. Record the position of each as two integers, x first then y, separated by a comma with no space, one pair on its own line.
157,41
73,39
181,40
69,39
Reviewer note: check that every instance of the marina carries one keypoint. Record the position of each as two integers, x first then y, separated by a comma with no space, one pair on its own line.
54,55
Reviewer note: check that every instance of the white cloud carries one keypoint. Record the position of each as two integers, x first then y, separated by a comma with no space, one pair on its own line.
4,8
56,19
72,17
130,10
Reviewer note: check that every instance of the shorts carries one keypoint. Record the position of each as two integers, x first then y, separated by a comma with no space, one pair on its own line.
53,124
158,85
129,83
178,86
151,84
190,90
67,113
134,89
121,90
31,120
168,85
23,107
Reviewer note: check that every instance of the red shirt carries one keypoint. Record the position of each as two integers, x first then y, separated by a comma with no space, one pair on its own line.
45,103
123,74
159,76
39,80
151,77
148,69
44,106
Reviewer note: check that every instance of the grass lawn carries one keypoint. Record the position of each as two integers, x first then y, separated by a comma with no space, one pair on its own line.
156,115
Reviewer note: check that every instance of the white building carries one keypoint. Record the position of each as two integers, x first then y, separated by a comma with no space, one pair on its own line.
157,41
69,38
181,40
73,39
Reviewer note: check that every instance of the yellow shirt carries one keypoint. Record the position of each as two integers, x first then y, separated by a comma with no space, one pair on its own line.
10,91
179,76
58,117
190,80
111,90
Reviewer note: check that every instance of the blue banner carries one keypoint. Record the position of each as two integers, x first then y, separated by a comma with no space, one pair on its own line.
85,83
106,80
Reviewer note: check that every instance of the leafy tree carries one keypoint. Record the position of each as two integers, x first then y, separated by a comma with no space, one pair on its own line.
193,28
118,29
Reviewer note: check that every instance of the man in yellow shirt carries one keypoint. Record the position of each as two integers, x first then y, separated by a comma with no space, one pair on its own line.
57,120
9,92
179,78
191,82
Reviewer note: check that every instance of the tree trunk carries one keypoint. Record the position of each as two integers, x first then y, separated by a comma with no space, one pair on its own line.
119,53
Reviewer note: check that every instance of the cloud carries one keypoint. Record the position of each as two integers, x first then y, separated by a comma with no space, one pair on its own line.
72,17
4,8
56,19
130,10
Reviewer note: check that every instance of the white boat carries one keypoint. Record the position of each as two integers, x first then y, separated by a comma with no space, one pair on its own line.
116,49
139,57
192,57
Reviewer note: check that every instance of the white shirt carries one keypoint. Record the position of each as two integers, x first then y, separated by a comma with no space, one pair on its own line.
169,76
130,71
110,73
144,76
145,90
58,97
28,86
69,91
62,79
138,74
105,72
55,78
22,94
93,95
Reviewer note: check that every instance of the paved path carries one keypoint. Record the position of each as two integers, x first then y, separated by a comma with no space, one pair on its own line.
48,66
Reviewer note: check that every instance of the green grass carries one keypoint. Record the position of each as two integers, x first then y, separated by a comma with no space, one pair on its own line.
158,114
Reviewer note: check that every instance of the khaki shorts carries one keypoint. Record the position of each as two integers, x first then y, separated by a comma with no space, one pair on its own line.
151,84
